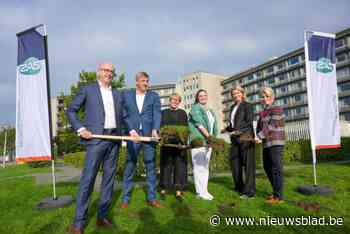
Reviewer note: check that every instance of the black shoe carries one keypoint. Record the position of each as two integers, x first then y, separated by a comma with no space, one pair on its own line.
179,198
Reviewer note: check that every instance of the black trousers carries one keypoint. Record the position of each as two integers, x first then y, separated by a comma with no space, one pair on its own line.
272,160
173,168
242,160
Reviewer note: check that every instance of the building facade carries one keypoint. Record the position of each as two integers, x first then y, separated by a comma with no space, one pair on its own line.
164,91
188,85
287,76
57,106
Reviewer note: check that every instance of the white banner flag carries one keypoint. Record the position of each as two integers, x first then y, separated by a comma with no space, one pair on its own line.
322,90
32,112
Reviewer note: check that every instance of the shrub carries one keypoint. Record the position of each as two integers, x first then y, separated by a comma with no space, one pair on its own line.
37,164
298,151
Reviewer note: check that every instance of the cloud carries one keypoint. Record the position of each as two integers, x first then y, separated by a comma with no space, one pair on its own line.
241,44
194,46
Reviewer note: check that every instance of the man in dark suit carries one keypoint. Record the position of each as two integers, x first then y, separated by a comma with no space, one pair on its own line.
142,117
242,153
103,115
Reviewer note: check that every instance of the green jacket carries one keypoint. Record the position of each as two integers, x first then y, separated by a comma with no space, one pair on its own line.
197,117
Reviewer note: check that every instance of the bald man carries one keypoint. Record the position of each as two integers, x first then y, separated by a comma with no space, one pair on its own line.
103,115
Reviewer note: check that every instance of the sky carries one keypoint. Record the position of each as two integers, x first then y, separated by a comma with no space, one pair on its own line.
165,38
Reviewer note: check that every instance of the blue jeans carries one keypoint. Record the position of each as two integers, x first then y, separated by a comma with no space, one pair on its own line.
133,150
105,153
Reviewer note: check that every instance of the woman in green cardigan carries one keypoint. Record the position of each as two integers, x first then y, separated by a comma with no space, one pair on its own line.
202,124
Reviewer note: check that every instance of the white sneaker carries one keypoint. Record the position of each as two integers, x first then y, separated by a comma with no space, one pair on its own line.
205,197
209,195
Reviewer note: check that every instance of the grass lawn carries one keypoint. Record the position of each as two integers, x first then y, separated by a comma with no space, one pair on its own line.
19,196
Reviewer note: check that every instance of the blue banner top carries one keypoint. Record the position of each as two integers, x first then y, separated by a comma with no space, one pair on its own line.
30,44
321,47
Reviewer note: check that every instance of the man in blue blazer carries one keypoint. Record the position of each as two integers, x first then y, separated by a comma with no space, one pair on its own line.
103,115
142,117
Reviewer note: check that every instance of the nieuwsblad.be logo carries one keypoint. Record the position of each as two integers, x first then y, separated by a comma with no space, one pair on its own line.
31,66
324,65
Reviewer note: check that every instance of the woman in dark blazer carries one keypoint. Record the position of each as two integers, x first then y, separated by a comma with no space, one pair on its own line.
242,153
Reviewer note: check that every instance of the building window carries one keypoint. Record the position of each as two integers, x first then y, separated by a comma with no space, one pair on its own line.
286,113
284,89
294,73
342,57
343,72
339,43
280,66
344,86
271,81
251,77
281,78
269,70
345,101
347,116
293,60
297,98
299,110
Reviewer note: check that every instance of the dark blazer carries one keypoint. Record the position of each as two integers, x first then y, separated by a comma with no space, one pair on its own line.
150,116
89,97
243,121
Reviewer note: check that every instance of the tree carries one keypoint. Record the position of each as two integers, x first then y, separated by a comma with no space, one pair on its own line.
10,141
67,141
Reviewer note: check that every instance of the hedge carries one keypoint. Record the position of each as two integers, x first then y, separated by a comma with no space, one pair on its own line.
297,151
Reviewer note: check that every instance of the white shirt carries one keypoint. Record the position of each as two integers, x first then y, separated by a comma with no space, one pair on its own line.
233,114
211,122
140,98
108,105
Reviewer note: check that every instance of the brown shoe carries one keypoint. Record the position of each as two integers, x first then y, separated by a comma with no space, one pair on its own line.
269,197
155,204
124,205
104,223
274,201
72,229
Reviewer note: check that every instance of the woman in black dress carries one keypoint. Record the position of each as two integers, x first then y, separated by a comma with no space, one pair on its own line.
173,161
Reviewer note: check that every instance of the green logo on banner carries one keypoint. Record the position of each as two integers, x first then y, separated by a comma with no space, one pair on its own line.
31,66
324,65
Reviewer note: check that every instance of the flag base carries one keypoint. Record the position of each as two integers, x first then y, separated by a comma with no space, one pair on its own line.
315,190
50,203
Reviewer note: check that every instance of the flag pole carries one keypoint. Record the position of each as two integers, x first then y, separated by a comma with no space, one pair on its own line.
314,164
49,108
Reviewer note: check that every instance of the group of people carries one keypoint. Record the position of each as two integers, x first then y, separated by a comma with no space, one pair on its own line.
138,112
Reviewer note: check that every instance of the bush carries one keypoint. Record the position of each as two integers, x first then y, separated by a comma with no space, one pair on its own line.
37,164
77,160
298,151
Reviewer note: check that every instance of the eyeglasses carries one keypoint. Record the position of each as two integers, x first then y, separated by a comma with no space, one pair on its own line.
106,70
